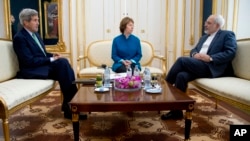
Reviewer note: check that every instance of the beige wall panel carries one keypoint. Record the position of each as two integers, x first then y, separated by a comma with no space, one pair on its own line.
230,15
243,30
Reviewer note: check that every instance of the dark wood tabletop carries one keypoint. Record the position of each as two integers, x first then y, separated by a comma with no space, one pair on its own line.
171,98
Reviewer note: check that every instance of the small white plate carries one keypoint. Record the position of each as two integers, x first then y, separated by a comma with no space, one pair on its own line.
158,90
110,85
102,89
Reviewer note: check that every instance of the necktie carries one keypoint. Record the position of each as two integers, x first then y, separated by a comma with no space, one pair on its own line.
38,43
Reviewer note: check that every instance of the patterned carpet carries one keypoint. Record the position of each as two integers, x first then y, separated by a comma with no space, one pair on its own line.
44,121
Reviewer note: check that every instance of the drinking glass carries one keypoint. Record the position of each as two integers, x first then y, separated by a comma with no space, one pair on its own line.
158,81
99,80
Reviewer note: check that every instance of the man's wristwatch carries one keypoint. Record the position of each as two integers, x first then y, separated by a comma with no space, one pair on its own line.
211,59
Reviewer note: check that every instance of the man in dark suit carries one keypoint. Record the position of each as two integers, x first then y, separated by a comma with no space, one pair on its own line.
209,59
36,63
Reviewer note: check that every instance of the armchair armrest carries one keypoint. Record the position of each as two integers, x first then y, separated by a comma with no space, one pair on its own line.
160,57
81,63
163,64
80,58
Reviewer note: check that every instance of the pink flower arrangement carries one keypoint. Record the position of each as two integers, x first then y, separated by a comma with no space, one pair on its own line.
128,82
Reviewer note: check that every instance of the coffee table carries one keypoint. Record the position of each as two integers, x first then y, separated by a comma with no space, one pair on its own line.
171,98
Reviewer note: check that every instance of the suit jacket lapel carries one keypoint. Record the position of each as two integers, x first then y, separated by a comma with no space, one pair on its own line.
30,39
203,39
213,41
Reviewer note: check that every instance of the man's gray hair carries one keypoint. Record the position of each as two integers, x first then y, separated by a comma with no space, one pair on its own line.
26,14
219,20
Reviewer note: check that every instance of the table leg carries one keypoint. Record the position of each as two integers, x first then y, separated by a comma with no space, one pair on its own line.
188,122
76,130
75,122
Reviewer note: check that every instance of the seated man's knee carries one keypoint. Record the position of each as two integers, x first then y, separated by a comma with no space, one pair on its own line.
182,81
62,61
180,60
185,61
182,76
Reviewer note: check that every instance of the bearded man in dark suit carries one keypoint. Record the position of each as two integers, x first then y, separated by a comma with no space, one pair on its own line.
36,63
209,59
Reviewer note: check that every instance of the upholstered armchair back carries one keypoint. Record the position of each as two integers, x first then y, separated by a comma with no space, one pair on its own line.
99,52
9,63
147,53
241,64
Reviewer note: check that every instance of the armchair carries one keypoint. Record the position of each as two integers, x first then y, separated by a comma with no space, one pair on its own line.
99,52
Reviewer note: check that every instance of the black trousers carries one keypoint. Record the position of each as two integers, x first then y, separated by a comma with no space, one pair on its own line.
61,71
186,69
123,68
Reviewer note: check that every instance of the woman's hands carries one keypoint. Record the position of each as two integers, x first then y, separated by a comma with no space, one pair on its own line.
127,62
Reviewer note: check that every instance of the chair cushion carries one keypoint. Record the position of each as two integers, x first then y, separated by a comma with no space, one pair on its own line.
17,91
99,53
92,71
230,87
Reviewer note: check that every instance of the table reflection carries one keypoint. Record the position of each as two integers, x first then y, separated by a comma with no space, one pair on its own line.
127,96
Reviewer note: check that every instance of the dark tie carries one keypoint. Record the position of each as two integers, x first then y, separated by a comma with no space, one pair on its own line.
38,43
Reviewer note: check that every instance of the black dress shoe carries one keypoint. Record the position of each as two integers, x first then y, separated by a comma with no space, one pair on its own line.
176,114
68,115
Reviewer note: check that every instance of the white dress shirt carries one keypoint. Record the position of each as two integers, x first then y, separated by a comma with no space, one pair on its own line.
207,43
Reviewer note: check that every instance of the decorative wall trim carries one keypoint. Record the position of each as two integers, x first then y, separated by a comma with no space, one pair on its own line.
215,6
183,26
225,3
175,27
70,31
7,15
235,11
167,34
201,17
192,11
